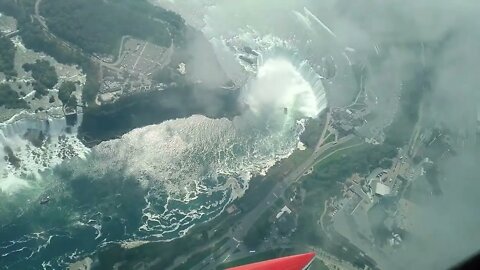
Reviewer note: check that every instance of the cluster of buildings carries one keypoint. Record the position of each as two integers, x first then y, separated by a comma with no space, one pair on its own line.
132,72
376,212
345,120
350,215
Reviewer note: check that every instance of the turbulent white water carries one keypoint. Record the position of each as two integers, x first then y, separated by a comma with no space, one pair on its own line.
200,164
182,154
279,85
55,142
189,169
34,140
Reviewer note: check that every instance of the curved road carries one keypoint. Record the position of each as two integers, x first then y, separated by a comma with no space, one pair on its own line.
243,226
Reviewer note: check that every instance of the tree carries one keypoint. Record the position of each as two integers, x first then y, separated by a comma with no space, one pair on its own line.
7,57
98,26
65,91
42,72
10,99
40,90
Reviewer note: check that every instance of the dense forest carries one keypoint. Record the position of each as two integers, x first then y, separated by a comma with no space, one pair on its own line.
65,94
10,99
65,91
35,38
97,26
44,74
91,26
7,57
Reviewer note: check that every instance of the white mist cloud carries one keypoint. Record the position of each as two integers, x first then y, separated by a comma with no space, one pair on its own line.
278,86
449,31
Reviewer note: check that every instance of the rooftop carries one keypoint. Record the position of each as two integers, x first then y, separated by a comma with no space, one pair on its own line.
382,189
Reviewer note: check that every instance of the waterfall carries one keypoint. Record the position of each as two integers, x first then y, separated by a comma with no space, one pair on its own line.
30,144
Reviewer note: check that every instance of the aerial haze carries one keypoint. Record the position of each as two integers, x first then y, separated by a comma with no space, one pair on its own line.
447,38
204,134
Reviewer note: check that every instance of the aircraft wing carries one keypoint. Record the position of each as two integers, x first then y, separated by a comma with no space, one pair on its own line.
294,262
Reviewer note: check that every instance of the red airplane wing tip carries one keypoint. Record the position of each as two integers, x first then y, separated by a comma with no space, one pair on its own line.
294,262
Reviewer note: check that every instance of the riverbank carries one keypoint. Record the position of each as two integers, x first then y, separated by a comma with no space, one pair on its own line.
162,255
111,121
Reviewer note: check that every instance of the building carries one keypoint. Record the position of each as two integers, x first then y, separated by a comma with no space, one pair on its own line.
382,189
283,210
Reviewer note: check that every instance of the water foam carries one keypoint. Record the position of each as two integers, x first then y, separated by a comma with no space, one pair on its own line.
191,168
280,87
53,142
183,154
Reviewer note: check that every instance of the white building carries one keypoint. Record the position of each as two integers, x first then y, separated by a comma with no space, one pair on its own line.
382,189
283,210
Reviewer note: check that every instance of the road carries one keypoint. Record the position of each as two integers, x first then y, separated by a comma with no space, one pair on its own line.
37,14
240,230
324,131
43,24
164,59
11,34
